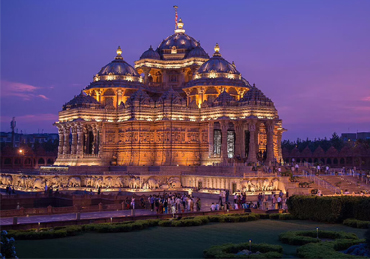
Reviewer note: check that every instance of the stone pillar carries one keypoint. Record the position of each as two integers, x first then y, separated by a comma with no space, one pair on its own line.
242,139
74,140
95,141
238,138
146,74
98,95
119,97
270,141
86,141
280,154
61,140
224,126
210,138
80,140
252,158
100,140
66,147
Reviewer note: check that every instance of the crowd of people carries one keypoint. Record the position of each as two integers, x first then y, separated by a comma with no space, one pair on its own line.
174,203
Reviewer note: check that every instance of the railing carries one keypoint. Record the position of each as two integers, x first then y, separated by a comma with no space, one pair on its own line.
321,182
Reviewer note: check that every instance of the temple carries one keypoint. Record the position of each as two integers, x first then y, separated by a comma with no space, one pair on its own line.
177,106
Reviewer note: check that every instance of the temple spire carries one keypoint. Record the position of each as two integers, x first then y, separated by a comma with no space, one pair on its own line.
119,52
179,25
217,51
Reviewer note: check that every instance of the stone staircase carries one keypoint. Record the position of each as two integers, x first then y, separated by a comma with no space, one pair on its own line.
346,182
294,189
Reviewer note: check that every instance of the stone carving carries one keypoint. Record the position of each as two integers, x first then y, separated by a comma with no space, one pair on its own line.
152,183
134,183
6,179
39,183
74,182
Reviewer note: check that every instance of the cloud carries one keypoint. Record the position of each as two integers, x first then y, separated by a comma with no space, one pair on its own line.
32,118
43,96
23,91
367,99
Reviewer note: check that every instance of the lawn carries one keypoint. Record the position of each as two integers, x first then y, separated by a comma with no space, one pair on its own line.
161,242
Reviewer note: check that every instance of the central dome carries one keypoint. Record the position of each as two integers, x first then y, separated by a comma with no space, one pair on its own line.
178,40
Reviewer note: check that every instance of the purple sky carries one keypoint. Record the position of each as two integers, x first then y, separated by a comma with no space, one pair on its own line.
312,58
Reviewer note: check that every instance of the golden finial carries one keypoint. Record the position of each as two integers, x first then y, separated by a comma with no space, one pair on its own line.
217,48
119,52
180,24
217,51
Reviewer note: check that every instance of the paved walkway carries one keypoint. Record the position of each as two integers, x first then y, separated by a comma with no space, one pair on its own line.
72,216
206,204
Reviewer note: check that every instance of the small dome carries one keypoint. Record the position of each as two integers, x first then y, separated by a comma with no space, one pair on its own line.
217,71
198,52
81,100
150,54
118,67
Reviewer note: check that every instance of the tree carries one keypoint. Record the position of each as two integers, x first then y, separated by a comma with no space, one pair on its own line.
7,246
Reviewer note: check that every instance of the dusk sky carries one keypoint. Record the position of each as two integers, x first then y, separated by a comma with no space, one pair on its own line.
312,58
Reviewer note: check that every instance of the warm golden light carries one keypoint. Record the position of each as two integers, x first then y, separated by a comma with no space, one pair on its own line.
119,51
180,24
217,48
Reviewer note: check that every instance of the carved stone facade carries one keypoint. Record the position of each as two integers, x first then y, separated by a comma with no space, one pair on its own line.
176,107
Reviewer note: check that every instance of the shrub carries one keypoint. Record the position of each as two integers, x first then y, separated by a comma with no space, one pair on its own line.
333,209
165,223
355,223
305,237
286,216
274,216
327,249
230,250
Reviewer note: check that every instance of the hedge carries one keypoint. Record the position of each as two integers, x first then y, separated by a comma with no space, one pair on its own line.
328,249
332,209
230,250
58,232
202,220
306,237
355,223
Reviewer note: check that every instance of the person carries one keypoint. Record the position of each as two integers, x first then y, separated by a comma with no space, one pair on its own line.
142,202
279,202
7,189
274,201
217,206
99,190
296,168
213,207
165,206
133,203
235,197
236,206
151,202
227,196
10,190
198,204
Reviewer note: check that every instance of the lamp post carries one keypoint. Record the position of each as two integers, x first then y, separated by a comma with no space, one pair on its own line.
317,233
250,245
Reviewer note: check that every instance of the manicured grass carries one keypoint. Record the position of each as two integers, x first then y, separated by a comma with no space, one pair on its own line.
161,242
